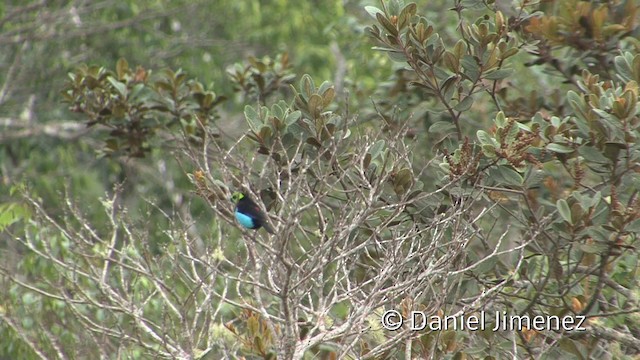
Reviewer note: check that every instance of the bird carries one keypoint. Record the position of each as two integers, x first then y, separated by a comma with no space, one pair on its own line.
248,213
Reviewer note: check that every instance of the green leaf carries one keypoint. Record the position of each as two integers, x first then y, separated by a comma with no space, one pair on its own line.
406,14
623,68
509,53
599,234
409,10
403,180
442,127
307,86
471,67
485,138
593,155
612,149
387,24
562,149
136,91
376,149
327,96
510,137
315,105
265,133
11,213
292,117
397,56
489,150
322,89
563,209
120,87
373,11
465,104
252,118
594,248
595,199
507,176
500,120
577,213
498,74
633,226
298,131
277,111
606,116
451,61
122,67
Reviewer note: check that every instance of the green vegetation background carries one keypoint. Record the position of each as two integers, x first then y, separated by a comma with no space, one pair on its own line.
46,148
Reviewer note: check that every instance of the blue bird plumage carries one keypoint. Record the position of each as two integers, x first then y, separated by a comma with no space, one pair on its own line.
245,220
248,213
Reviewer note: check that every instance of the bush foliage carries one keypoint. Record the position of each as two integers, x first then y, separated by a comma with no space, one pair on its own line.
496,169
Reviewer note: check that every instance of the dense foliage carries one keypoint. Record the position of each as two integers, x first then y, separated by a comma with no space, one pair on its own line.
481,158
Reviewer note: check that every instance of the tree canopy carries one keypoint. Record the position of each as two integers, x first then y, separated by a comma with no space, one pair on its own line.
458,179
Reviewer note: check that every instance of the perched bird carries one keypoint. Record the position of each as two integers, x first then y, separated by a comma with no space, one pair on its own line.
248,213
